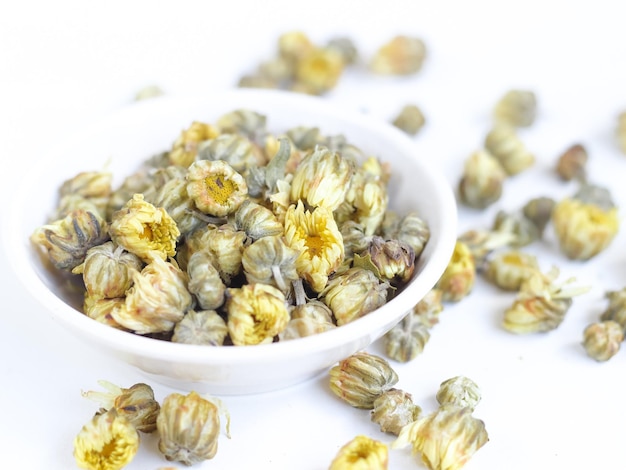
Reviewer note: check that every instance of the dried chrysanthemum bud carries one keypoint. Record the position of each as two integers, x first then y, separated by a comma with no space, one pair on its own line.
405,341
345,47
66,241
621,131
481,243
482,180
320,70
517,108
459,391
390,260
257,221
215,187
74,202
205,282
539,211
137,403
602,340
189,427
361,453
89,184
571,163
523,230
429,308
410,119
108,442
366,201
256,313
236,150
226,244
361,378
100,309
157,300
411,229
402,55
446,439
270,261
585,225
172,196
316,236
107,270
322,179
354,239
616,309
246,122
143,229
147,92
307,319
353,294
394,409
258,80
458,278
185,148
541,303
509,269
204,327
504,144
294,45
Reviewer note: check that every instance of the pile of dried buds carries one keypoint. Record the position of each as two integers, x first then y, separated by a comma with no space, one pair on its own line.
236,236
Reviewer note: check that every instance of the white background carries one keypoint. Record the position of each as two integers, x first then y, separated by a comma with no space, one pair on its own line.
546,405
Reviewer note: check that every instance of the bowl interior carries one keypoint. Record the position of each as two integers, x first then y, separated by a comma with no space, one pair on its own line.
121,141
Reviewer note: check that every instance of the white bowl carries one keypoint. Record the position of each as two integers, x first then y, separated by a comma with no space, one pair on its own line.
121,141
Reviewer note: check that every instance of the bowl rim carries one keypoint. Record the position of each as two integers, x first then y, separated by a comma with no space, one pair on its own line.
20,250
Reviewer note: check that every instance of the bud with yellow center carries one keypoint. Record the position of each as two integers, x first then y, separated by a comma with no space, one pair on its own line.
316,236
256,313
185,148
143,229
361,453
215,187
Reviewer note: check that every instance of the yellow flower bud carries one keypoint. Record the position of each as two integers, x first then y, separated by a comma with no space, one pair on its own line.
185,148
320,70
361,453
89,184
393,410
143,229
108,442
256,313
316,236
322,179
157,301
402,55
189,427
215,187
205,327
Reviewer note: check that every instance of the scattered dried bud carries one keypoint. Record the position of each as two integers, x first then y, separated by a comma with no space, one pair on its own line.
458,279
108,442
571,164
361,453
405,341
539,211
402,55
189,427
482,180
509,269
137,403
410,119
516,108
504,144
393,410
320,70
361,378
616,309
602,340
459,391
446,439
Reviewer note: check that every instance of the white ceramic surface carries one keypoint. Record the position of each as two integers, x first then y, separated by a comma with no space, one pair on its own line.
122,140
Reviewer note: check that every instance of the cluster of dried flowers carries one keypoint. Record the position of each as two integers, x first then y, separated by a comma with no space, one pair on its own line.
236,236
302,66
445,438
188,427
